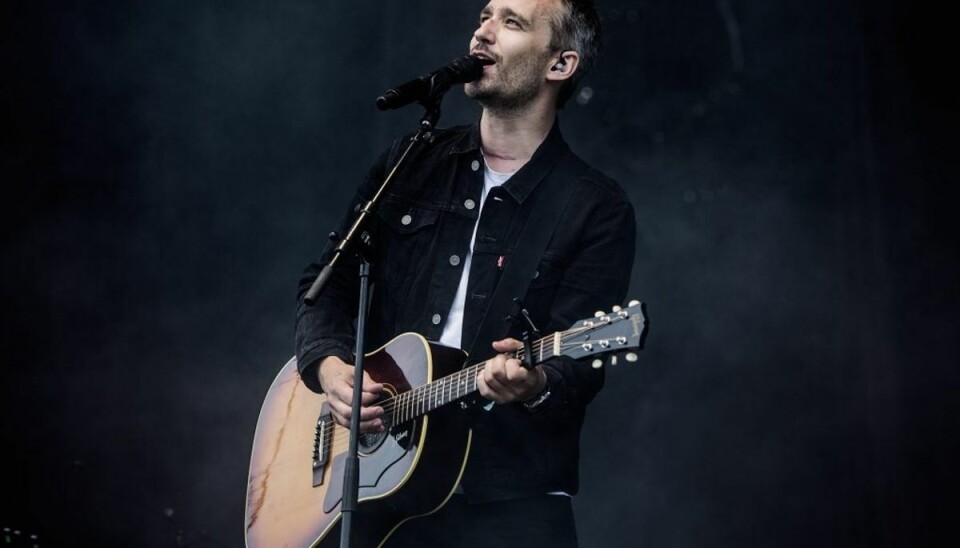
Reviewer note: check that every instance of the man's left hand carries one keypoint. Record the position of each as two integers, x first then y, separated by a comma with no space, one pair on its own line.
506,380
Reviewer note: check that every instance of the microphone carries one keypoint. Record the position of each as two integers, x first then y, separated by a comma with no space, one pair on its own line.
459,71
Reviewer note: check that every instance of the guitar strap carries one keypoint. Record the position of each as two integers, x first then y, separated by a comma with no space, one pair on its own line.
540,223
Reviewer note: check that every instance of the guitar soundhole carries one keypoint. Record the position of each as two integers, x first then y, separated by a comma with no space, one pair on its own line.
368,442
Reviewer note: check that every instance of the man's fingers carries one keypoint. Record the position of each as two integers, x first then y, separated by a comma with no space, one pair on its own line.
494,390
372,426
369,385
506,370
484,388
344,408
495,368
344,391
504,380
369,413
497,387
366,398
366,413
375,425
341,407
516,372
507,345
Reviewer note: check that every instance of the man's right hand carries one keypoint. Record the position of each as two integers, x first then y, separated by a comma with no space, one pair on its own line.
336,378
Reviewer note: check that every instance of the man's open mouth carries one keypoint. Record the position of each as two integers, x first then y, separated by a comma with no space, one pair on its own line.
483,55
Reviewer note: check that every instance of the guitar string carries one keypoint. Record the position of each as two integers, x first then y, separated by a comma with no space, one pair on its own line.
439,387
425,403
430,392
406,400
435,394
417,410
416,397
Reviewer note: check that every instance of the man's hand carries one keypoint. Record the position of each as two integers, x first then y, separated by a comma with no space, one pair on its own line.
505,380
336,378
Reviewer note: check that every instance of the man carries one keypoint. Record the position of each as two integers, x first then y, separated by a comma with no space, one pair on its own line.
446,232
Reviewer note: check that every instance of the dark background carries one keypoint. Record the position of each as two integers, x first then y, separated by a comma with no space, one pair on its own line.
169,168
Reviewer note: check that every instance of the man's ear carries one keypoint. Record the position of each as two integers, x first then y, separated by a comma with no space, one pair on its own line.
564,65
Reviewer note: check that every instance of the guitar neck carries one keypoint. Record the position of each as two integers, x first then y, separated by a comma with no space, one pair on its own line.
423,399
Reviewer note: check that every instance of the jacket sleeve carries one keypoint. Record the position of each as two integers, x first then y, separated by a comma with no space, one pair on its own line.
327,328
597,278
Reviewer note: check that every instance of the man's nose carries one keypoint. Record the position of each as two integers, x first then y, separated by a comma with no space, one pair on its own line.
485,32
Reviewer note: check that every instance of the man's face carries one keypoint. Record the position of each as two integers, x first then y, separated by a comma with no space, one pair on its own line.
515,34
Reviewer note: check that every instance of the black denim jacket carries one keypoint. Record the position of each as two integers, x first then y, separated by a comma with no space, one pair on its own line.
421,237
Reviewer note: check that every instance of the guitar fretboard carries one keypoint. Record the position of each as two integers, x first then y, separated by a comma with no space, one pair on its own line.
421,400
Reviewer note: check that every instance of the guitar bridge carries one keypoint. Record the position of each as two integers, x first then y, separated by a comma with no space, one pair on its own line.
321,444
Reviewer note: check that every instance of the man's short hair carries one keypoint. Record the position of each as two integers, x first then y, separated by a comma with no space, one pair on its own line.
577,28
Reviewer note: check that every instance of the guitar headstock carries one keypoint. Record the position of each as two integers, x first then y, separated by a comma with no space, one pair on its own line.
620,331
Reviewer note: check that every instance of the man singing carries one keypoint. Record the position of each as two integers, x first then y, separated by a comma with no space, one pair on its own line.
446,233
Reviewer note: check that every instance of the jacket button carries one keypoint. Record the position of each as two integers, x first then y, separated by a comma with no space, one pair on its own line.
405,220
475,165
436,319
454,260
469,204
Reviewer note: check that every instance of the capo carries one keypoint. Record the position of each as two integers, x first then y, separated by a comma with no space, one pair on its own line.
527,333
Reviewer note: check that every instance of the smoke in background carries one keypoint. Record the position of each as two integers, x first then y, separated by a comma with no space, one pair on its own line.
171,166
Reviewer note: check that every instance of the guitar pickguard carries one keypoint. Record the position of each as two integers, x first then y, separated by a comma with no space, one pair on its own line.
382,469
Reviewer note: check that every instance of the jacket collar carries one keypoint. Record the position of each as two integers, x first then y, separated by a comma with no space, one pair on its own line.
522,183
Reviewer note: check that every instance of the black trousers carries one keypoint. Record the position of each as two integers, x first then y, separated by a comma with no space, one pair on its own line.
538,522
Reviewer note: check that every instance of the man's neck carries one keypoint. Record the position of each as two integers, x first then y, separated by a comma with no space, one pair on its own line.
509,139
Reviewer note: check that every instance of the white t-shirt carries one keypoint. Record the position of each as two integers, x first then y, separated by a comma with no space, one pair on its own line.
453,328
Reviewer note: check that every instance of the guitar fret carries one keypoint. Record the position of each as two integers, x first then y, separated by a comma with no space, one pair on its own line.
409,404
419,401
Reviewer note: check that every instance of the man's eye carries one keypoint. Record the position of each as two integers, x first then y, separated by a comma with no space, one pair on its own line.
513,22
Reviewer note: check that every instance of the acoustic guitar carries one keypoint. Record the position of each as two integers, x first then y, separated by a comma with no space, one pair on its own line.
411,469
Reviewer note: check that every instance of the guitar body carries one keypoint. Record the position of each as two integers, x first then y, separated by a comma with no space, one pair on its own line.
294,491
296,468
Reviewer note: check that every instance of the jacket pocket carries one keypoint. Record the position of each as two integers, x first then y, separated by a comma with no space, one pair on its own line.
549,273
405,218
405,236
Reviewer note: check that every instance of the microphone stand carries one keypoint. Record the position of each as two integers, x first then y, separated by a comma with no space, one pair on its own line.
351,477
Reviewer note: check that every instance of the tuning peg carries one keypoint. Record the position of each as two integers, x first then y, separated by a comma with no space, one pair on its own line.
613,359
616,308
634,303
599,314
597,363
631,357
